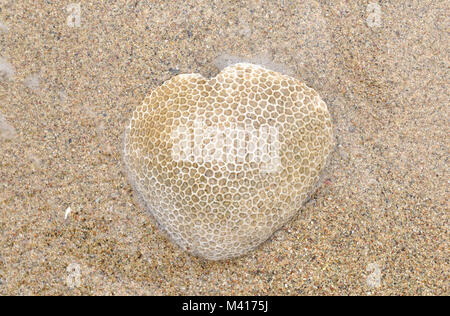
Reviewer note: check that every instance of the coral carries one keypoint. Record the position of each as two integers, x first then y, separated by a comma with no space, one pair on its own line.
222,163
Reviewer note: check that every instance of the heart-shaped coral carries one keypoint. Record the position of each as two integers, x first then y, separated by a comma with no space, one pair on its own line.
222,163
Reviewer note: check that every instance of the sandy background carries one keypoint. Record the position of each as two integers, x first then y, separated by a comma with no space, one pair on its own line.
379,222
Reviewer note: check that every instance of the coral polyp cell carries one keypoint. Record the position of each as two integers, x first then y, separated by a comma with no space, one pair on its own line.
222,163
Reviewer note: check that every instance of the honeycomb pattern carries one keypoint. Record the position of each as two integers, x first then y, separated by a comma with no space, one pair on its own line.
215,198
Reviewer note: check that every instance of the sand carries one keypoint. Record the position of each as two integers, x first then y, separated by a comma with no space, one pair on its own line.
377,224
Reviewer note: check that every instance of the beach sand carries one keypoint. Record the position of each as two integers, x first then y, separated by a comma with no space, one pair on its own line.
377,224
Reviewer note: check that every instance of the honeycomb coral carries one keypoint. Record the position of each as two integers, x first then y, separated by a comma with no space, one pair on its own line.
222,163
